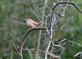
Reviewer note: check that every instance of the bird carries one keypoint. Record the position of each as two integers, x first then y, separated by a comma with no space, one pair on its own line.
32,23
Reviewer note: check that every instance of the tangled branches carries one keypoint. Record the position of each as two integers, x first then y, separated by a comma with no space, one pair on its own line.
53,24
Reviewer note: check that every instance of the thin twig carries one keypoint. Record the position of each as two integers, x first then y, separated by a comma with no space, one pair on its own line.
47,49
38,45
25,36
67,3
49,53
39,40
64,8
51,16
15,47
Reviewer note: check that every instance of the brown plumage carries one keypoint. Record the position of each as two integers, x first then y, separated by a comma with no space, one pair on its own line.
31,23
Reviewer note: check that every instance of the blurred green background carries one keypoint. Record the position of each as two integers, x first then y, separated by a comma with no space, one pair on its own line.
12,27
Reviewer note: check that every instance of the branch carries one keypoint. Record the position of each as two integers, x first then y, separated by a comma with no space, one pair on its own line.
43,51
15,48
67,3
47,49
30,30
25,36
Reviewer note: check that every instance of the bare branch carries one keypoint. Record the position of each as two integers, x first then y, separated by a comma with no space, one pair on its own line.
67,3
15,47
